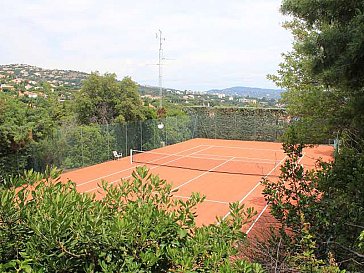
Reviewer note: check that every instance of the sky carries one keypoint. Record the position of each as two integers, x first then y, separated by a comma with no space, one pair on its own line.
208,44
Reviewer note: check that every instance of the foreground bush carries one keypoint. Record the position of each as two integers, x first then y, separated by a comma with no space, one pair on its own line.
48,226
320,214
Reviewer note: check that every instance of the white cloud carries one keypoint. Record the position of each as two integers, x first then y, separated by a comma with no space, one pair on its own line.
213,43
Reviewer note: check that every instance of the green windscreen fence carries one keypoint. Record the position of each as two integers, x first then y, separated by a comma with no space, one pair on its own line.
73,146
239,123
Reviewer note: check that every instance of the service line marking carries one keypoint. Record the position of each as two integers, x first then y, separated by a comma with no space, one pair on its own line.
152,168
206,172
101,177
243,148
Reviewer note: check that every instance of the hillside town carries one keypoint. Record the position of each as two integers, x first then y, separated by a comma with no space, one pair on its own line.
33,82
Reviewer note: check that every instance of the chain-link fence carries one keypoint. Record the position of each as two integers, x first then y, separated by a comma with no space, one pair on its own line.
73,146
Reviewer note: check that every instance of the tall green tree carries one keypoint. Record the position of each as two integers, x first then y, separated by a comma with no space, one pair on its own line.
324,75
16,132
23,122
103,99
324,80
327,202
335,40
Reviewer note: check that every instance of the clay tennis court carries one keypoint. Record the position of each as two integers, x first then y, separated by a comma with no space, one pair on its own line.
224,171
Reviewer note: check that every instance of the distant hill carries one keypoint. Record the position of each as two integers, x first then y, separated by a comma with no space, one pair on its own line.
33,76
243,91
24,76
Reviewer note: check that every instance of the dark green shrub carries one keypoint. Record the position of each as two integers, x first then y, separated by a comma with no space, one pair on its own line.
136,227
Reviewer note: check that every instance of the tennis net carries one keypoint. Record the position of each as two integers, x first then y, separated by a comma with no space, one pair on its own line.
209,163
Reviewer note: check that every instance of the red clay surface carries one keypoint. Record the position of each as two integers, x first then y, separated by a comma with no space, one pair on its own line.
214,157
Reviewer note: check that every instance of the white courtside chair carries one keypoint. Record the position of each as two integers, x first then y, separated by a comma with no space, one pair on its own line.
117,155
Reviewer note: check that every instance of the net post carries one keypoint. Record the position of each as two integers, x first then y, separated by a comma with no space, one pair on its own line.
131,156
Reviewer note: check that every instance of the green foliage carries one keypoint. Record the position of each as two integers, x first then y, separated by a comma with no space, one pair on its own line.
295,194
323,75
17,129
149,113
320,110
174,110
136,227
334,41
21,266
73,146
361,241
305,259
103,99
24,122
343,202
325,204
324,79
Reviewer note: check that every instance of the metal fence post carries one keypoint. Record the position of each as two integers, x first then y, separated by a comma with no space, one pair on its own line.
83,162
141,135
126,138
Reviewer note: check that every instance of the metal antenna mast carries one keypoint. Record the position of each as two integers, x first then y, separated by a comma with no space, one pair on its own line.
159,35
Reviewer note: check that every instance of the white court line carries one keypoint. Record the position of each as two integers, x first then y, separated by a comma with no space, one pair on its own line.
152,168
208,171
214,157
206,200
242,148
101,177
265,208
237,157
242,200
